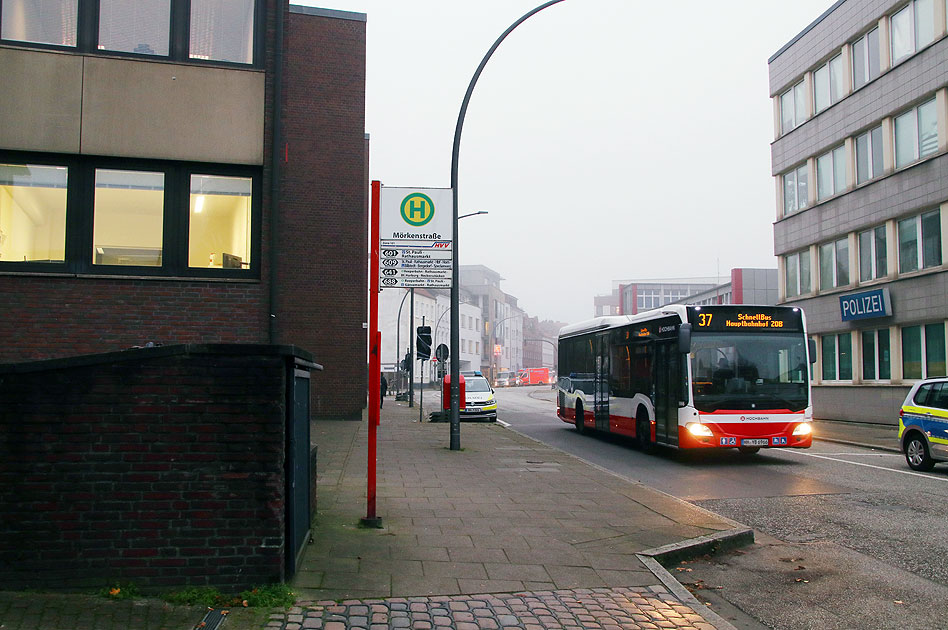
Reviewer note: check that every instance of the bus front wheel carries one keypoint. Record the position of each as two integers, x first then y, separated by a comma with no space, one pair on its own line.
643,432
580,419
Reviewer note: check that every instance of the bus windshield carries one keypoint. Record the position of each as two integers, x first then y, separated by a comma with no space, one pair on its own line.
749,371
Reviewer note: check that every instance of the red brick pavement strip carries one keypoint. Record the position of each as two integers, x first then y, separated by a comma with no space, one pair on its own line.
579,609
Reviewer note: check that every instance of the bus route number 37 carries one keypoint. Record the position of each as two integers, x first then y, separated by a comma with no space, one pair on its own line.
704,319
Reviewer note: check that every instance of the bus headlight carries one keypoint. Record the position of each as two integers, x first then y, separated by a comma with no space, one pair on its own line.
699,430
803,428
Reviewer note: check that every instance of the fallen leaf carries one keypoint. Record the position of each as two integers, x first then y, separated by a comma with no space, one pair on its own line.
899,601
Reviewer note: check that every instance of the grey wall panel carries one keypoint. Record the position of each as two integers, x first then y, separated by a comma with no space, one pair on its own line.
878,404
40,100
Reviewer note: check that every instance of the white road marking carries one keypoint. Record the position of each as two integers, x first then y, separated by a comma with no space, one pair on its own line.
503,424
843,461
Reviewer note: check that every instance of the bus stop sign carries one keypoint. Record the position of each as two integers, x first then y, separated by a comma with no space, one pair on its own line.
441,352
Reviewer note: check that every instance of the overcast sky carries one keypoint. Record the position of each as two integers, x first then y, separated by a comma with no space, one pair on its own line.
607,139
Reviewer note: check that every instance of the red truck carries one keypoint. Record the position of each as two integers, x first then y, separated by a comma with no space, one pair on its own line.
534,376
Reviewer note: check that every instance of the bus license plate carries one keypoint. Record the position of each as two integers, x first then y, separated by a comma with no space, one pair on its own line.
756,442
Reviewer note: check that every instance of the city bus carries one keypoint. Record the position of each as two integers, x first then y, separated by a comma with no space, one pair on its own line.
691,377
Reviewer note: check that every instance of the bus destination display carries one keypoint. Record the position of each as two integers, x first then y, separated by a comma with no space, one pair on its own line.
745,319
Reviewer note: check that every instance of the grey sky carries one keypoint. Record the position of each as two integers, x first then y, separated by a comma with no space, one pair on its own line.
608,139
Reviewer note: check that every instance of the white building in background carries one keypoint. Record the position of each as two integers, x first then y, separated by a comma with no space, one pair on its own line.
433,307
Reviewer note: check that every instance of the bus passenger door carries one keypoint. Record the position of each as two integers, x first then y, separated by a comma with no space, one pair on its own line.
601,389
667,383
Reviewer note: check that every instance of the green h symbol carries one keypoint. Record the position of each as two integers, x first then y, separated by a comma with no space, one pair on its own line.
417,209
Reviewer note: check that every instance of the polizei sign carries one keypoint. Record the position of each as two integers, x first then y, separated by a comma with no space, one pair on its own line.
865,305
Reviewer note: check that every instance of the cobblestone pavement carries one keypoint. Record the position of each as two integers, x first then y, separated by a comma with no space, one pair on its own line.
608,609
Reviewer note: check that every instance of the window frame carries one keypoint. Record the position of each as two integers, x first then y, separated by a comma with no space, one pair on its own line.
798,256
837,352
87,36
912,114
838,180
919,242
867,59
870,154
794,106
80,209
830,100
923,348
836,264
873,253
794,174
874,336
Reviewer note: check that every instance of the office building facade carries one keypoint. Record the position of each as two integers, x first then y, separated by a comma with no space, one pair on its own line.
860,159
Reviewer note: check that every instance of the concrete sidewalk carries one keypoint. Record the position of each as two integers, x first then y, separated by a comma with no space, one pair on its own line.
507,532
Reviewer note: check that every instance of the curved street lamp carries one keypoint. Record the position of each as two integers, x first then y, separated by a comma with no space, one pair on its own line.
493,329
455,280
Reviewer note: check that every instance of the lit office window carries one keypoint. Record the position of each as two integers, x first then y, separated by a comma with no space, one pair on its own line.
869,155
920,253
872,254
875,355
792,107
48,22
135,26
222,30
828,83
220,230
912,28
128,218
831,173
916,133
797,273
837,357
32,213
795,190
834,264
923,351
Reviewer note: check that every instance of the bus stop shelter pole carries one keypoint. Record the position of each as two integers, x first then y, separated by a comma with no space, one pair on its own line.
375,360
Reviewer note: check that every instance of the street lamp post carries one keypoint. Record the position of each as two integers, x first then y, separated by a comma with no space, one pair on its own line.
455,280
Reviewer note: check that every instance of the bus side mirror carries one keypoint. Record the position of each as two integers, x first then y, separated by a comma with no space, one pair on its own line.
811,344
684,338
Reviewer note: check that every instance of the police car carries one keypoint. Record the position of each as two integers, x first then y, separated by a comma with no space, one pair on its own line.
923,424
479,401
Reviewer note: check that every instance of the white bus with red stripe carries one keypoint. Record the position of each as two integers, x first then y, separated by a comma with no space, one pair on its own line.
728,376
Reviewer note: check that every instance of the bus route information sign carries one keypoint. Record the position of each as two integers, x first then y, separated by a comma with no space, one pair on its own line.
416,239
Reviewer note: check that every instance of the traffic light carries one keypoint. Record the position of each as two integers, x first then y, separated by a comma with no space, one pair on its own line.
423,343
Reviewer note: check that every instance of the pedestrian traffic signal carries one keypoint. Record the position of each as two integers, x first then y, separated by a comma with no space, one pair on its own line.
423,343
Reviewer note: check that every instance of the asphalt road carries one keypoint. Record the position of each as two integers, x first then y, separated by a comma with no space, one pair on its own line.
847,537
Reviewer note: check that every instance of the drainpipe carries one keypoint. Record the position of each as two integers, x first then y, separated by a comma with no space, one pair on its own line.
276,171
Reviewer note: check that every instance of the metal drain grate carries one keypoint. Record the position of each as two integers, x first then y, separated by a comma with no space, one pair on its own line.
212,620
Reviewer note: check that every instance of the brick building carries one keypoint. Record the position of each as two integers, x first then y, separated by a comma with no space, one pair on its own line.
185,172
860,155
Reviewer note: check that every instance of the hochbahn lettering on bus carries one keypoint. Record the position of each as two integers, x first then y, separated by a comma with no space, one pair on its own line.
690,377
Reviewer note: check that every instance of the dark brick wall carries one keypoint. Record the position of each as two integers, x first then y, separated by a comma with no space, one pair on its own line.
322,282
162,467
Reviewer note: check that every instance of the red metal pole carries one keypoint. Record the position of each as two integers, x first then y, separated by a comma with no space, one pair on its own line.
375,358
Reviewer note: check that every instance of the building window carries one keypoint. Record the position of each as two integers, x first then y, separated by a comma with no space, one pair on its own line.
52,22
135,26
128,218
831,173
912,28
797,270
837,357
32,213
222,30
866,63
872,254
97,215
925,228
875,355
828,83
834,264
793,107
916,133
220,222
923,351
208,30
869,155
795,190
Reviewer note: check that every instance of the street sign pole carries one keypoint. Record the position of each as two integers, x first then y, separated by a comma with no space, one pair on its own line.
375,364
421,395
